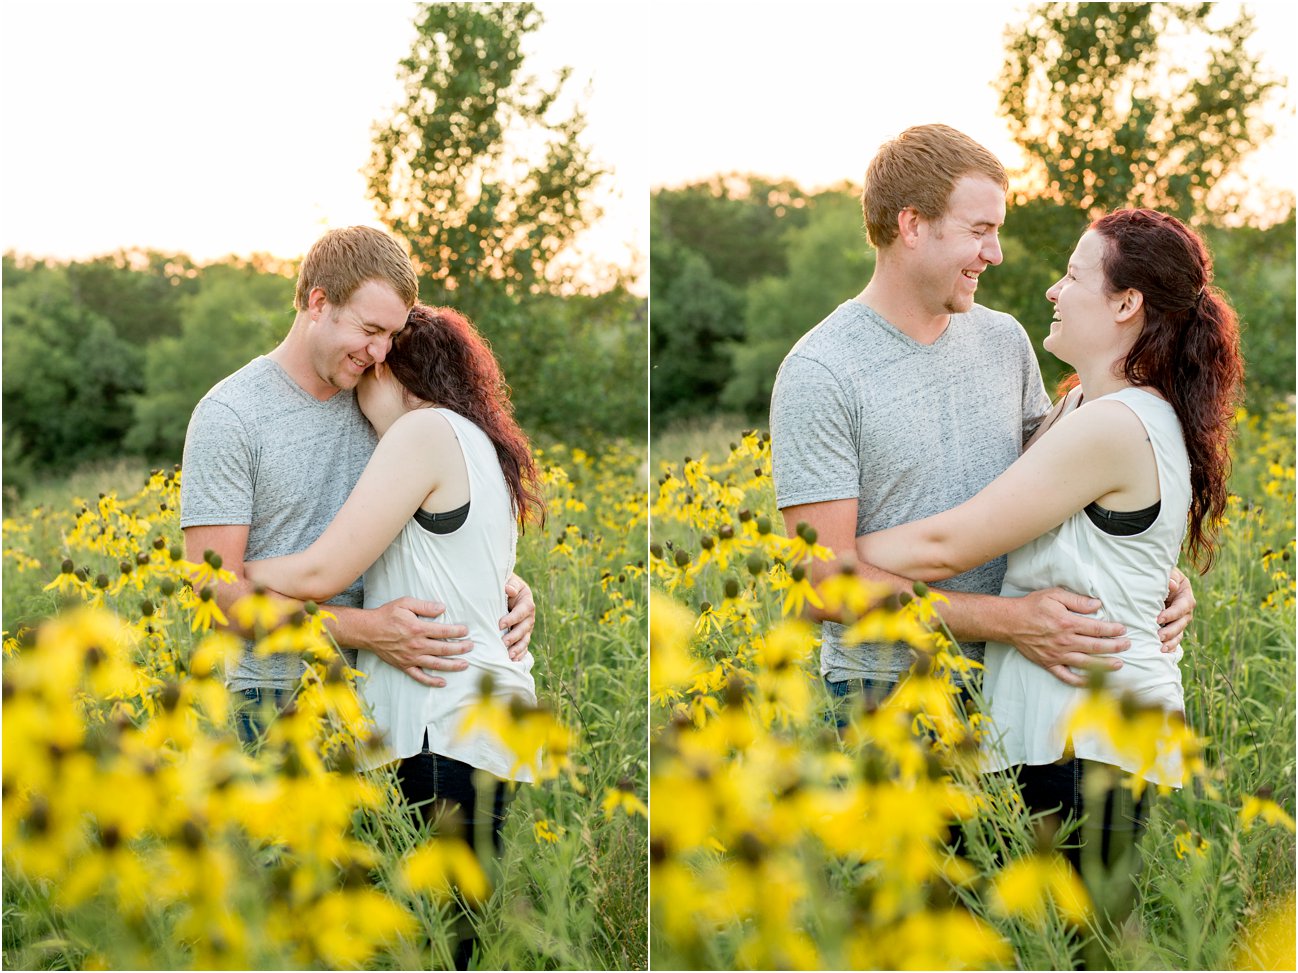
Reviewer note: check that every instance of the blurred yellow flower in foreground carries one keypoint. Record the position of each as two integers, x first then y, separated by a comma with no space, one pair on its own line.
1266,809
1025,886
671,626
444,865
1268,943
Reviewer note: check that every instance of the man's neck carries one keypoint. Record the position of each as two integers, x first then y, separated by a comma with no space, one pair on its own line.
895,300
291,355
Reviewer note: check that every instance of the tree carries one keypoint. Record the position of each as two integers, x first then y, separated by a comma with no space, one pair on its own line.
68,375
698,278
693,316
236,314
473,169
1111,114
576,366
828,262
710,217
138,290
1256,268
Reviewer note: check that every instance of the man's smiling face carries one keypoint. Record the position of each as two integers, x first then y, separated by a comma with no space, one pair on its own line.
963,243
348,339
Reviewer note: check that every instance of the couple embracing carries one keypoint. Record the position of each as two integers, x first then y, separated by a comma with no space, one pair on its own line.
912,430
378,439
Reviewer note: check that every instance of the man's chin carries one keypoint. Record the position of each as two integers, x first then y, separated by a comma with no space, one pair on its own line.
344,381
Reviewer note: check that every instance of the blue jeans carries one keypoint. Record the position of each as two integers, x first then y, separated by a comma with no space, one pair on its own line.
254,709
869,694
1117,822
442,789
856,693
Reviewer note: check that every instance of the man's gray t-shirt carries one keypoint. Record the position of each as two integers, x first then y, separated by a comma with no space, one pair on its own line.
862,410
262,451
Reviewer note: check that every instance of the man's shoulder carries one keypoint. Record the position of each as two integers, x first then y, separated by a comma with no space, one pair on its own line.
837,332
992,323
244,385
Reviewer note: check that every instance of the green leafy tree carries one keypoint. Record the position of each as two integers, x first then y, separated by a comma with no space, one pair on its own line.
576,365
694,316
829,261
1114,109
68,375
138,290
475,168
236,313
708,241
1256,269
711,217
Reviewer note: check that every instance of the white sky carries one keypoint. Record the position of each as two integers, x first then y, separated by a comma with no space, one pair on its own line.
215,127
810,89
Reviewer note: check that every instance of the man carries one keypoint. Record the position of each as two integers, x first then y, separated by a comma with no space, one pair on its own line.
910,398
273,451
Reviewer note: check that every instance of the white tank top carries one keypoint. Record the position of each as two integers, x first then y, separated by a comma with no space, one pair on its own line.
465,570
1029,707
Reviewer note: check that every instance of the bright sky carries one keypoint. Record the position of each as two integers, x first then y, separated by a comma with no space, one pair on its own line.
809,90
215,127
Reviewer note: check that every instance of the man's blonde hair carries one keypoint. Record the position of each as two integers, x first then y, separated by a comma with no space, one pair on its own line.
343,259
918,169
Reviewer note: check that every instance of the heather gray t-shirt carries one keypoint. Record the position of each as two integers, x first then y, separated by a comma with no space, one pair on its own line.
261,451
862,410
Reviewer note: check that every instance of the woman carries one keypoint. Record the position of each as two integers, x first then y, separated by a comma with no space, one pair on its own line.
1100,502
435,515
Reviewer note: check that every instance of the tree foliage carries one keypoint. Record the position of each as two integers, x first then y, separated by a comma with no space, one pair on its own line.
473,168
68,374
738,221
576,365
707,242
140,291
1256,269
694,316
235,314
1132,104
828,261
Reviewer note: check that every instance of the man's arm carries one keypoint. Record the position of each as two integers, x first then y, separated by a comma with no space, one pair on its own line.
401,633
1050,628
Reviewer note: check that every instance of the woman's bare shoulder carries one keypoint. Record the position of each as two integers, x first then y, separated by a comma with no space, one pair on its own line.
420,425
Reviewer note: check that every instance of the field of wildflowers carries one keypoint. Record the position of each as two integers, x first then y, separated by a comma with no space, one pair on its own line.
776,842
138,834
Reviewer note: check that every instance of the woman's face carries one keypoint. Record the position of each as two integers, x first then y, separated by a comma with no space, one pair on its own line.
1084,328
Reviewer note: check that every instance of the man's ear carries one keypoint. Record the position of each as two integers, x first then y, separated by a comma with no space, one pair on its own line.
1129,305
908,221
315,302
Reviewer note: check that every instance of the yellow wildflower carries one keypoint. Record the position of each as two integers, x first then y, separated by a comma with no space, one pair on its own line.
1024,887
1267,810
442,865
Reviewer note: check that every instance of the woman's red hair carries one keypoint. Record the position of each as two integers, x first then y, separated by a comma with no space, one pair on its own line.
1188,349
441,358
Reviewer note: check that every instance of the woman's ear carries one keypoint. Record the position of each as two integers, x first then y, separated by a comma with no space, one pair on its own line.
1130,303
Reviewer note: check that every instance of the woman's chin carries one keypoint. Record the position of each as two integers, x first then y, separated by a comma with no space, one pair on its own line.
1052,346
